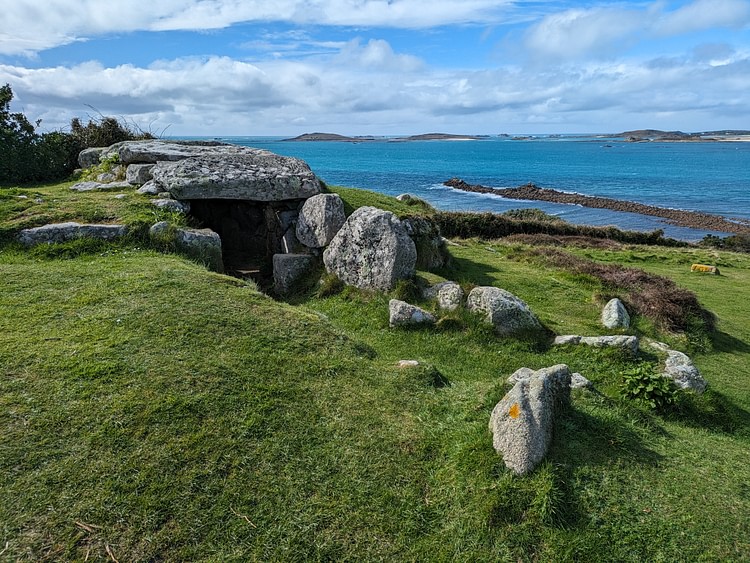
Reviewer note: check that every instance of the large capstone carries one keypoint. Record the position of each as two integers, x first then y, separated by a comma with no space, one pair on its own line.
320,219
371,251
249,175
522,422
506,312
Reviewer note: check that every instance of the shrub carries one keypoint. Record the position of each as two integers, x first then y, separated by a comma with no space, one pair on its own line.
644,385
28,156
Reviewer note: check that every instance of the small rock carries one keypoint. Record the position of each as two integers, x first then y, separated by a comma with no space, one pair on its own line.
449,295
106,178
619,341
506,312
22,197
172,205
577,381
614,315
150,188
121,196
404,314
655,345
408,363
404,197
680,368
566,339
203,245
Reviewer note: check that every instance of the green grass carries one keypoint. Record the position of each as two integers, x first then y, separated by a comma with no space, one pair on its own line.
152,410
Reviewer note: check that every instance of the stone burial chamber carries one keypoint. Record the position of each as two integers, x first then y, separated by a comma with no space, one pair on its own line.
250,197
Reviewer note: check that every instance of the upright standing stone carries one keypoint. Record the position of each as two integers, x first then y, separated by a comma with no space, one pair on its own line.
320,219
614,315
522,422
289,270
371,251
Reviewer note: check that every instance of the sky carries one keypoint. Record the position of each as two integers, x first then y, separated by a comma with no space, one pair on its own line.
380,67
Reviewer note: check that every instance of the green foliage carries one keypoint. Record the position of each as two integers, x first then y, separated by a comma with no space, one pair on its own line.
494,226
531,214
736,243
330,284
29,156
407,290
644,385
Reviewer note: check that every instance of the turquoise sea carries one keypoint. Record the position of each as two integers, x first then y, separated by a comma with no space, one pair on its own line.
713,177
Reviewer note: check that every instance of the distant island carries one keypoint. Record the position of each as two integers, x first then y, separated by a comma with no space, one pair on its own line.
370,138
635,136
646,135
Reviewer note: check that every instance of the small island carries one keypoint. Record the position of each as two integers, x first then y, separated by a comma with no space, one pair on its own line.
370,138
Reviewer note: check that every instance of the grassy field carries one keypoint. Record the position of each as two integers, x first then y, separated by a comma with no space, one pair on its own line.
151,410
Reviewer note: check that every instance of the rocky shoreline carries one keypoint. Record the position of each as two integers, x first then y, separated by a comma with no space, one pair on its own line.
679,217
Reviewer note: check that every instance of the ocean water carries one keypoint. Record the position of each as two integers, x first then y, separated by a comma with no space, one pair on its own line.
709,177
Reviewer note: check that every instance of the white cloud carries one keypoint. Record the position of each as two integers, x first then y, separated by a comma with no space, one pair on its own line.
29,26
369,88
705,14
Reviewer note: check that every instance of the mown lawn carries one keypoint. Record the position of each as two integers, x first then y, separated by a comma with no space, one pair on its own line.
151,410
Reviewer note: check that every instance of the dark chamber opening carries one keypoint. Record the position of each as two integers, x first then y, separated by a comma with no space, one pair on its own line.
251,233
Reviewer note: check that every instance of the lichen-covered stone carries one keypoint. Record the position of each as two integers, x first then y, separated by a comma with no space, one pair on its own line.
202,245
565,339
249,175
90,157
680,368
506,312
63,232
404,314
448,294
371,250
320,219
289,270
614,315
629,343
522,422
90,186
138,174
171,205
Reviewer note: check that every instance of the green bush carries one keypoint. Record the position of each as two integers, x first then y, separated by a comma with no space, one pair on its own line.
29,156
644,385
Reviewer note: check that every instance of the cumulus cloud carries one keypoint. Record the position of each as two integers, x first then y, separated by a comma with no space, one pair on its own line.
705,14
574,33
364,89
29,26
604,31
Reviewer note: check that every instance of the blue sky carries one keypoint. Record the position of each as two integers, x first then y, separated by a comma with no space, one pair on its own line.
383,67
